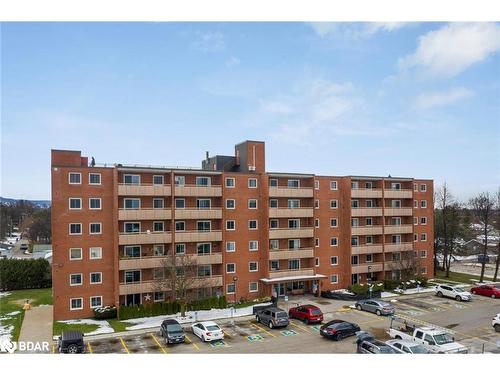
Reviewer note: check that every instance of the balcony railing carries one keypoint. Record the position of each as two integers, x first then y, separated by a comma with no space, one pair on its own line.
291,192
198,236
152,286
277,233
291,254
360,231
366,193
366,212
144,189
198,191
291,273
138,238
367,267
398,193
402,211
145,214
159,261
403,246
398,229
199,213
366,249
291,212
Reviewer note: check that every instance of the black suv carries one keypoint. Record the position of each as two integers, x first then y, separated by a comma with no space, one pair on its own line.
272,317
71,342
172,331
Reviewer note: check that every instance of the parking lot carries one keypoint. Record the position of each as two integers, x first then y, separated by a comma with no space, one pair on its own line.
469,322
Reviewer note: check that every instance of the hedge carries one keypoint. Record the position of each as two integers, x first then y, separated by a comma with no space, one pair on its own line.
363,289
18,274
170,308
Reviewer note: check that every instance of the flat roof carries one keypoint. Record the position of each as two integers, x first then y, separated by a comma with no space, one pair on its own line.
292,278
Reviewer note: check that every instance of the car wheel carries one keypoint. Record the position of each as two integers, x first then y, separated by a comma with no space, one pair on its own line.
337,337
358,307
493,296
72,349
473,291
497,327
271,325
458,298
378,312
439,294
257,318
398,338
306,321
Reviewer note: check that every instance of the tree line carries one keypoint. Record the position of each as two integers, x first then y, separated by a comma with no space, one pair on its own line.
31,220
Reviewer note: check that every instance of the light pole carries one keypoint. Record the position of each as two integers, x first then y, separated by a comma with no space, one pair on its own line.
235,278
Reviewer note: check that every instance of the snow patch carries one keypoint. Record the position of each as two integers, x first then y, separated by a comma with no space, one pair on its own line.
103,325
5,294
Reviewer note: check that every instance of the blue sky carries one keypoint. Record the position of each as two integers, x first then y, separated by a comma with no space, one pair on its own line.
414,99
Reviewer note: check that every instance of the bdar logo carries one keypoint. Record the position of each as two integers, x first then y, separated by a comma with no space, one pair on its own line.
7,346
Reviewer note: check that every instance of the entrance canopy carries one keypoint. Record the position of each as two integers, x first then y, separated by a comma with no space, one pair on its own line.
292,278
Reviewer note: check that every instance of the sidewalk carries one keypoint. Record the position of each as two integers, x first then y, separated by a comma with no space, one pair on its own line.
37,326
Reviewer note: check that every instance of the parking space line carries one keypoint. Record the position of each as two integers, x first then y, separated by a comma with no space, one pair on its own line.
90,348
191,342
299,327
225,333
53,348
124,346
158,343
262,329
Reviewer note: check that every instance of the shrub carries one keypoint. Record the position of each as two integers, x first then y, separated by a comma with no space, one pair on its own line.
364,289
106,312
391,284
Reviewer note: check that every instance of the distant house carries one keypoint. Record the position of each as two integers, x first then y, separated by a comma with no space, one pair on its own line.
43,251
475,246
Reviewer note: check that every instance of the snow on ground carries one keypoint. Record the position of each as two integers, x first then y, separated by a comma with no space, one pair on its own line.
415,290
104,326
6,330
4,294
388,295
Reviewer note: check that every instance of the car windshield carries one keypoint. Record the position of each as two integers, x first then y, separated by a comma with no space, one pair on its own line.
174,329
281,314
387,350
316,312
459,290
213,328
418,349
443,338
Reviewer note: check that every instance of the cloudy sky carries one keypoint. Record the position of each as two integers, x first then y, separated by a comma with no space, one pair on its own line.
406,99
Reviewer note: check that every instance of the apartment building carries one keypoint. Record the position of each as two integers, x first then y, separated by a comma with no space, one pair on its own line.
249,232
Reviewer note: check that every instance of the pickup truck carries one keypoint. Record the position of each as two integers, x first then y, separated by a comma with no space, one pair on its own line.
434,339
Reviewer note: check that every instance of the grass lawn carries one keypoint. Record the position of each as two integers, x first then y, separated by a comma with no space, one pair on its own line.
15,301
118,325
84,328
459,277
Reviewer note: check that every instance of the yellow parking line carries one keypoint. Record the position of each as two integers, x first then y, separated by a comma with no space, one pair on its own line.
158,343
124,346
192,343
53,349
90,348
299,327
225,333
262,329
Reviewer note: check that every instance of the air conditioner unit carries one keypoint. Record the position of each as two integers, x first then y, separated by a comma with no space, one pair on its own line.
251,167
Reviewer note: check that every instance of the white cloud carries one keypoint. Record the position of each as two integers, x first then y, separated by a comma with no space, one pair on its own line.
440,99
356,30
210,41
454,47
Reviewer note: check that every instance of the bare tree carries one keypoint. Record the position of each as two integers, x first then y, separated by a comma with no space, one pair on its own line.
497,219
443,199
408,264
482,207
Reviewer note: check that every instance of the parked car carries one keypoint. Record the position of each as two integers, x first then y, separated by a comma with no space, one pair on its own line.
488,290
443,290
24,246
338,329
208,331
407,347
172,331
496,323
306,313
481,258
272,317
375,347
376,306
71,342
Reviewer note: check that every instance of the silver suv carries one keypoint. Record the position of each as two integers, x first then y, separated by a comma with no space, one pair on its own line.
455,292
272,317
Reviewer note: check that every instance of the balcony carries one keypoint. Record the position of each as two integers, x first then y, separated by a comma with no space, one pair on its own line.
398,229
195,236
291,273
366,193
291,254
213,258
278,233
367,267
366,212
198,191
402,211
139,238
361,231
291,192
290,212
195,213
158,261
144,189
151,286
398,193
366,249
145,214
403,246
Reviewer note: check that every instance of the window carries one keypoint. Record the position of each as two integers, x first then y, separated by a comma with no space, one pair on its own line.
230,289
395,186
316,242
423,253
369,258
316,262
253,266
204,270
354,241
423,220
334,261
230,246
253,245
316,184
316,223
131,179
333,203
179,180
415,237
252,204
396,238
333,222
354,203
94,178
293,244
230,183
415,220
230,204
334,241
157,180
75,228
95,203
415,203
95,228
354,259
158,250
203,204
369,221
423,270
252,183
423,204
274,244
132,203
203,181
396,221
132,276
157,202
230,225
96,277
132,227
294,264
159,296
75,254
253,287
230,268
204,248
316,203
275,265
273,182
293,184
396,257
395,203
76,304
75,203
204,226
96,301
180,248
369,185
75,178
354,185
369,240
158,226
423,188
96,252
158,273
333,185
293,223
273,203
354,222
334,279
423,237
273,223
180,203
293,203
415,187
75,279
180,226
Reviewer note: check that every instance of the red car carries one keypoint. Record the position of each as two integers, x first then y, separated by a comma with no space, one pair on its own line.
488,290
306,313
